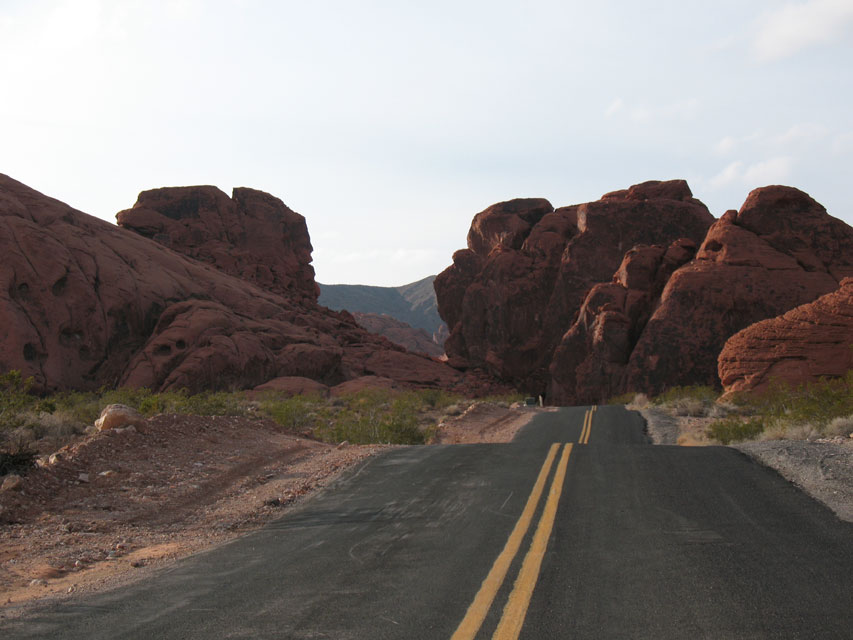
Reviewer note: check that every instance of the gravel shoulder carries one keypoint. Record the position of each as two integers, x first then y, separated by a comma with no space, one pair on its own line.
823,468
120,505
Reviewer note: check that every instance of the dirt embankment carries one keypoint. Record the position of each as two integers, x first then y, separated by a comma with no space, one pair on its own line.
823,468
118,505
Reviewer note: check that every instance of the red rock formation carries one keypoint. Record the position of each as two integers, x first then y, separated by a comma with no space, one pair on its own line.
84,304
780,251
509,298
251,235
589,365
812,341
414,340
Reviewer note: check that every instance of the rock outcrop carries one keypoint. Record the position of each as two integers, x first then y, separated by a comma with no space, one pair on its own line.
251,235
85,304
590,364
538,299
781,250
517,289
812,341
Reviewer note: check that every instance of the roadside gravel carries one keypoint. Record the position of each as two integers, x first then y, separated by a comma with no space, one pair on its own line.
823,468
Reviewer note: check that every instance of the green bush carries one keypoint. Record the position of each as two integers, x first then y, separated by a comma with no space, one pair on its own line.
299,413
625,398
375,416
15,399
734,429
696,392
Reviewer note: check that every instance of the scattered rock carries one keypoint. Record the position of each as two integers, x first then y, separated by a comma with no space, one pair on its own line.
83,477
38,582
12,482
117,416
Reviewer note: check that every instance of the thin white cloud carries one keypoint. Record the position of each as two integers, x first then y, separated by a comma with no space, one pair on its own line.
726,145
615,107
772,170
794,27
728,175
803,133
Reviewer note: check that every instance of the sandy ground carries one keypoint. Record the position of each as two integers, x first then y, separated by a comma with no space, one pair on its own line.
823,468
120,505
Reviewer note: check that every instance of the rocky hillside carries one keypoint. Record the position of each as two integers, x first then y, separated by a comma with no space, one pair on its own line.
412,303
164,303
638,291
414,340
412,306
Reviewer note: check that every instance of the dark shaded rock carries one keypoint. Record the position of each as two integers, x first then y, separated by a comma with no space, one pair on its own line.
251,235
512,295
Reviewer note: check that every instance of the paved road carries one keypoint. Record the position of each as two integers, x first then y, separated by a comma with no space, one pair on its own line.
600,535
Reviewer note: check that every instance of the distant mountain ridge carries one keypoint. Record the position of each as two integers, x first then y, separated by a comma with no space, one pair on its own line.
412,303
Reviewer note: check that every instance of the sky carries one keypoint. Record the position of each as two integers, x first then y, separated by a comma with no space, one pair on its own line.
390,124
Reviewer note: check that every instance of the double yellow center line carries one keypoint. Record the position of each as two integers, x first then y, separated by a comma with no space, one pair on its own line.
587,425
515,609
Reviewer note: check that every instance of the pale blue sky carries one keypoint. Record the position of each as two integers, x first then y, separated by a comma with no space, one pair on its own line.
390,124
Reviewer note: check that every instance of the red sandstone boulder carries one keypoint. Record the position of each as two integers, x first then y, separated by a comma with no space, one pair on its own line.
811,341
251,235
363,383
510,297
85,304
780,251
294,386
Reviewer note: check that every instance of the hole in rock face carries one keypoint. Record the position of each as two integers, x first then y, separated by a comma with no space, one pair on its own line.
181,344
713,245
162,350
59,286
23,288
30,352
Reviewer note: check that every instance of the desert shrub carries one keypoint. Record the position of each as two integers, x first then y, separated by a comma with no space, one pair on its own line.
688,401
438,398
812,406
734,429
15,399
840,426
506,399
625,398
207,403
299,413
375,416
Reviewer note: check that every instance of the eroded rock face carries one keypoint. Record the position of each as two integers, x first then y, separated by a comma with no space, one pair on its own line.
781,250
811,341
589,366
514,292
85,304
251,235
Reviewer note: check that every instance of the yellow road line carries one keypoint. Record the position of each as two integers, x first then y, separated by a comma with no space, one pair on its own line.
479,608
587,425
519,600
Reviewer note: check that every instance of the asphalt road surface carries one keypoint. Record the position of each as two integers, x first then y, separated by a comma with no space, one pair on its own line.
577,529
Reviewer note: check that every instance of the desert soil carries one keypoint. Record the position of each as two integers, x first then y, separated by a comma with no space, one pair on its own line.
118,505
823,468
